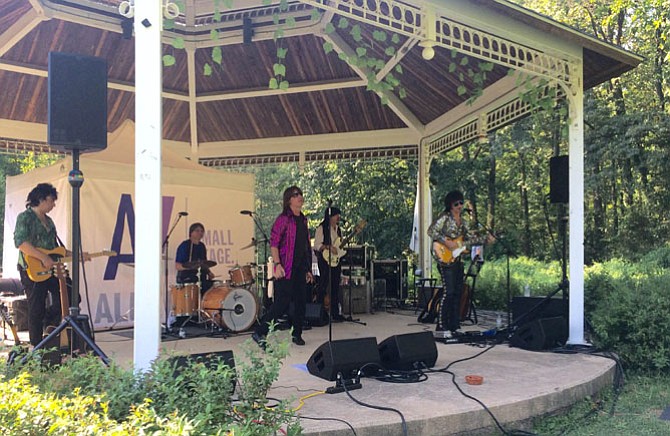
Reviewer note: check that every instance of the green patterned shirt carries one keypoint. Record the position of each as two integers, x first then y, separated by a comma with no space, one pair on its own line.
30,229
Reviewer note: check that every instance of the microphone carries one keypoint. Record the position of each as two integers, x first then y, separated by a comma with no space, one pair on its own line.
246,212
183,213
466,209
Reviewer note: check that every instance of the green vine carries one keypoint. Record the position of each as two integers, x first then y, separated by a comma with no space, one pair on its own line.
364,56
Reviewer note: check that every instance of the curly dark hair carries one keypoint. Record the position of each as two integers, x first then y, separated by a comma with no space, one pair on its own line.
41,192
451,198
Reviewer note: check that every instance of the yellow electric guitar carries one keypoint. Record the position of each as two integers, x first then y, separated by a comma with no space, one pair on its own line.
334,258
39,273
444,255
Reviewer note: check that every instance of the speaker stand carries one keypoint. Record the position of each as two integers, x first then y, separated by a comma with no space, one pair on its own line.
345,385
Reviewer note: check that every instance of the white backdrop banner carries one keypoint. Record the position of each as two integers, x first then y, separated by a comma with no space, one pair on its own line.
108,223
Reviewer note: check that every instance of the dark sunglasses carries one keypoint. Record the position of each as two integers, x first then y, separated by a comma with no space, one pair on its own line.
296,193
458,203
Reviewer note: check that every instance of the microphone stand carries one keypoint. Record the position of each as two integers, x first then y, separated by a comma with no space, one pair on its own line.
259,226
168,328
508,253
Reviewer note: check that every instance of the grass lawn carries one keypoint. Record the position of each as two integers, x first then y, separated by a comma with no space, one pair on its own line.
636,411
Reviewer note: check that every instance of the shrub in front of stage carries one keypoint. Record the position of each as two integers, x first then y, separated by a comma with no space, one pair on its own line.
83,396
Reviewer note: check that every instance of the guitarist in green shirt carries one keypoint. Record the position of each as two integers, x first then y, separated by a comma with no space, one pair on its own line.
35,229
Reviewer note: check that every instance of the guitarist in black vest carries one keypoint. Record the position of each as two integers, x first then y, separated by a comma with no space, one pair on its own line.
451,236
35,229
325,237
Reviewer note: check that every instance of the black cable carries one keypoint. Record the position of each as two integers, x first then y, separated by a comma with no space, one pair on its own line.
371,406
351,427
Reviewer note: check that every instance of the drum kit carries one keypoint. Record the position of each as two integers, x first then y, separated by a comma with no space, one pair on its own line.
227,305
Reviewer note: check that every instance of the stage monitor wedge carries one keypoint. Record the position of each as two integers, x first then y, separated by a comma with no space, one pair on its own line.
77,118
345,356
409,351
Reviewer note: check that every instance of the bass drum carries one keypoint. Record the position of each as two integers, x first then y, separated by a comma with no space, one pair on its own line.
232,308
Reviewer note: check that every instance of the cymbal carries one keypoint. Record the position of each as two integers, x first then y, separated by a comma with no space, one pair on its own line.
199,264
253,243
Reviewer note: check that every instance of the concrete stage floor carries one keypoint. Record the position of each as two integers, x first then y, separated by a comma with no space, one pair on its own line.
517,386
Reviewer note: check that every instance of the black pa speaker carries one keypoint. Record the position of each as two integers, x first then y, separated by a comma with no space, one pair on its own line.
526,309
345,356
558,179
210,360
541,334
77,117
409,351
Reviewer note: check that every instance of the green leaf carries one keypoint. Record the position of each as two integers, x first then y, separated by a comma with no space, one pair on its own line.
452,67
315,15
267,2
279,69
168,24
361,51
329,28
275,19
213,35
168,60
279,33
228,4
281,52
454,53
464,61
290,22
379,35
217,15
207,70
327,47
385,100
461,90
402,93
343,56
343,23
398,69
380,64
217,55
395,38
283,85
356,33
273,84
283,5
178,43
390,51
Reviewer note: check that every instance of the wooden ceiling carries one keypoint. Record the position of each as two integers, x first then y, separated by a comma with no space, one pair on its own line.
241,106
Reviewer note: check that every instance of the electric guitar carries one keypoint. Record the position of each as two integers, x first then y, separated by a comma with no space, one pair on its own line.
37,272
333,259
444,255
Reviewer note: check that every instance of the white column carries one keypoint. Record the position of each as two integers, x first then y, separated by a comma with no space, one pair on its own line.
148,211
425,209
576,198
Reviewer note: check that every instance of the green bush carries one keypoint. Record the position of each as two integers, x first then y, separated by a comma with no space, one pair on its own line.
625,303
491,286
628,309
83,396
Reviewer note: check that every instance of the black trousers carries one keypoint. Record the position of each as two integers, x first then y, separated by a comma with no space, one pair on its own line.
452,280
287,291
39,316
326,273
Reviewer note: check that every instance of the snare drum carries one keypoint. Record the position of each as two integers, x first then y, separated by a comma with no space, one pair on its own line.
184,298
234,308
241,276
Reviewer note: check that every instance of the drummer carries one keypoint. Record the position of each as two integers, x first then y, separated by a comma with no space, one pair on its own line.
191,260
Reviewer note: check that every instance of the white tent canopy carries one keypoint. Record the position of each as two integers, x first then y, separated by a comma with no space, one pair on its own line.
107,219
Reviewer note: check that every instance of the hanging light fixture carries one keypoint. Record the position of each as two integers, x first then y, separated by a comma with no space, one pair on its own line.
429,41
